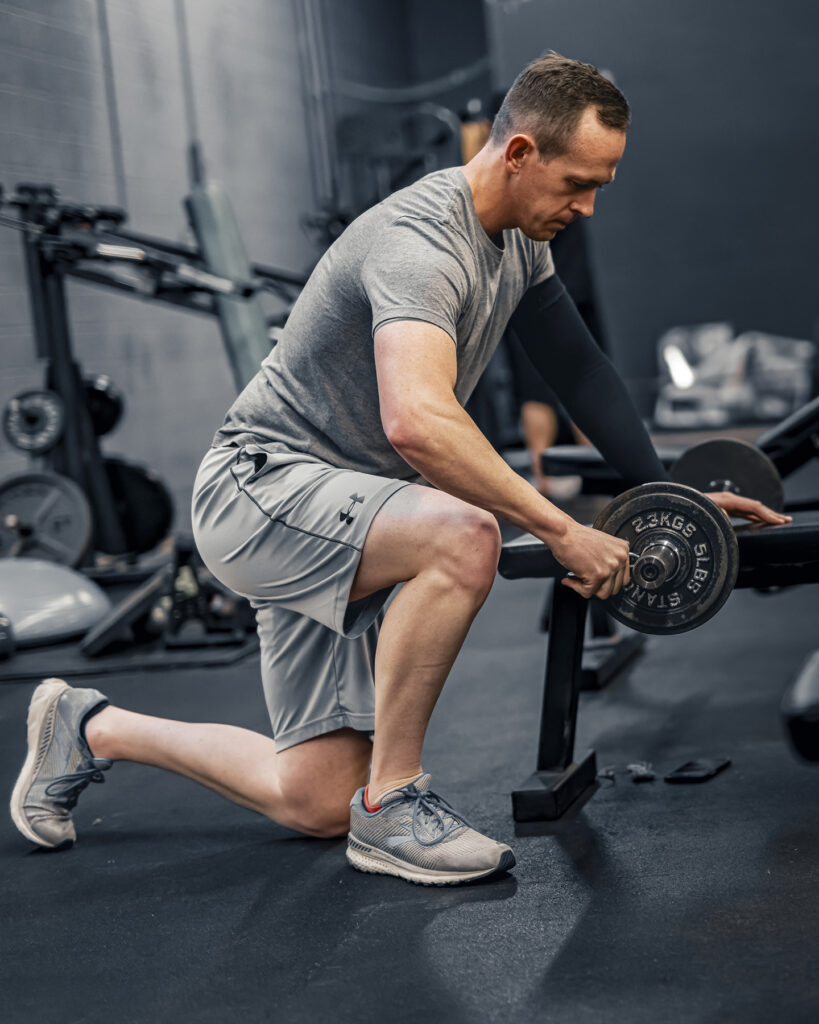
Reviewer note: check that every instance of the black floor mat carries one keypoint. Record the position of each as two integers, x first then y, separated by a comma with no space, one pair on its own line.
66,660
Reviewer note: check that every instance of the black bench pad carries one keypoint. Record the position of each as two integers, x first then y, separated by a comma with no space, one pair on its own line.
585,461
788,444
768,555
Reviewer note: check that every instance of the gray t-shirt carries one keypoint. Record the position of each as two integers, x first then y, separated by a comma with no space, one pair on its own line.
421,254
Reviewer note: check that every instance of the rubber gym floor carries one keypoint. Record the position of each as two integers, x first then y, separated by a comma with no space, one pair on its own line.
648,903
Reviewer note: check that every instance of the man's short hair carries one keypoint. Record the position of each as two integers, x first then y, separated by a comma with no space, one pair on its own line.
548,98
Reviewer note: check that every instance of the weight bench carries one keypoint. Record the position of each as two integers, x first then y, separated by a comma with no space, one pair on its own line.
778,556
789,445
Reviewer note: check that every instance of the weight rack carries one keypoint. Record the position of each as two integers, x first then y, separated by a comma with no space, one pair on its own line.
64,239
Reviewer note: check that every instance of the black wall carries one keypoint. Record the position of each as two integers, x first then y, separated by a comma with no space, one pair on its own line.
714,212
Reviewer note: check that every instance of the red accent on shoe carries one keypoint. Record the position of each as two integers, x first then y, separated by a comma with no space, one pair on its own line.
367,805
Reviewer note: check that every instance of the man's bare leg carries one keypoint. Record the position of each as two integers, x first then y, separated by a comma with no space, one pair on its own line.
540,428
539,425
307,787
447,552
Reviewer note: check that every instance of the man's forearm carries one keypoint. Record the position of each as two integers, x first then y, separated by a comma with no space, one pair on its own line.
449,451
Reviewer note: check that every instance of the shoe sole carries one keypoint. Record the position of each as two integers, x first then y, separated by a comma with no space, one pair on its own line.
378,862
41,712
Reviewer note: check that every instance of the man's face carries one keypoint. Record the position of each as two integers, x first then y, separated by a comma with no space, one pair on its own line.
548,196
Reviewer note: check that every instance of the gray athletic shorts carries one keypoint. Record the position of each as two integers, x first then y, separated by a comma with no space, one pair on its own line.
286,532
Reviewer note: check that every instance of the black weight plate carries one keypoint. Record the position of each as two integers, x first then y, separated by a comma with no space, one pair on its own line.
44,515
728,464
142,503
705,573
104,402
33,421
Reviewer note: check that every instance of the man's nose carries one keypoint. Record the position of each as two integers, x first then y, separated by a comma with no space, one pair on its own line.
584,205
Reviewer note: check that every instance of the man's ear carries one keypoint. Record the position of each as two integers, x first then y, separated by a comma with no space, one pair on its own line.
519,149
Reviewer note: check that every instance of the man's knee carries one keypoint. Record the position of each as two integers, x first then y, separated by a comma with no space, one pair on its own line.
323,823
321,815
316,780
471,547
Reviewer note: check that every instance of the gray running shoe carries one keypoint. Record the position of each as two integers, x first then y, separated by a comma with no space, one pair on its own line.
417,835
59,764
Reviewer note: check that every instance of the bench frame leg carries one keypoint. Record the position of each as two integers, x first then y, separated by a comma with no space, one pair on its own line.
559,779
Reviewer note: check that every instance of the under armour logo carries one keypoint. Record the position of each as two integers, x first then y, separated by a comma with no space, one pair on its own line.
346,515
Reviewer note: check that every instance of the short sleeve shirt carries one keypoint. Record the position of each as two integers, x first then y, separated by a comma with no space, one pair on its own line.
421,254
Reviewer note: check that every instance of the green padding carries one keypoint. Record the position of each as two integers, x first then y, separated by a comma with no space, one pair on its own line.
243,323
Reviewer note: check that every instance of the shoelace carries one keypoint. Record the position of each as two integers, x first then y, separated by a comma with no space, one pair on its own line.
67,788
438,810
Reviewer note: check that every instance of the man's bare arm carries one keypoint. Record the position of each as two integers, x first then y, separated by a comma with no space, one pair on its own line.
416,367
428,427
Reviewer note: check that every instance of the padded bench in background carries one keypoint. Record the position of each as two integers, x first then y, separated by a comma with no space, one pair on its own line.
587,462
789,444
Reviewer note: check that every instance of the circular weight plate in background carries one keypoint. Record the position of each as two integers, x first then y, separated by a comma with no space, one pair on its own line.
104,402
33,421
728,464
704,568
44,515
142,503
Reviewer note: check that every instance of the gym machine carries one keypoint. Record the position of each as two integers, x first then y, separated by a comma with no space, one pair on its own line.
83,503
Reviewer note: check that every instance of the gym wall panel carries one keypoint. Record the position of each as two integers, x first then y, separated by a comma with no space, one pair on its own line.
53,127
444,37
713,215
145,60
249,106
368,41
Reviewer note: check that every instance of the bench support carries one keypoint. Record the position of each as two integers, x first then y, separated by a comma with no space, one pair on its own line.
604,657
559,779
606,651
